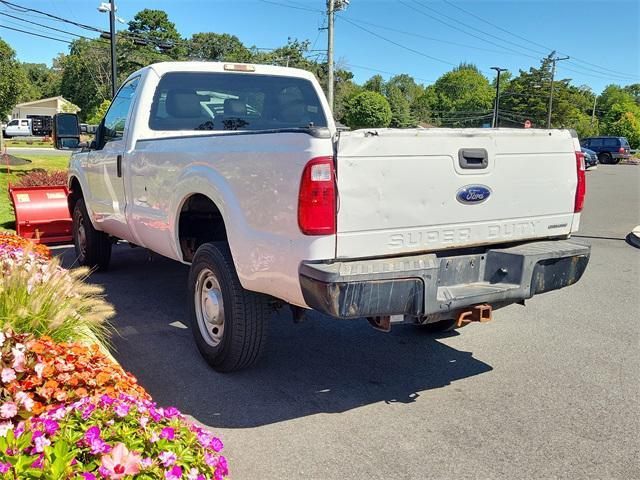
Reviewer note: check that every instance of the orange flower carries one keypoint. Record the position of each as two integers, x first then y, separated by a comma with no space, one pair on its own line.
51,384
102,378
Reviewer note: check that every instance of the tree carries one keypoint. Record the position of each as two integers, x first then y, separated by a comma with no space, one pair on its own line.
375,84
86,74
462,97
12,79
97,114
400,108
627,125
42,82
218,47
367,110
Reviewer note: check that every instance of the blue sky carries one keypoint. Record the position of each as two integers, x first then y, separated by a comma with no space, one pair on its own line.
602,37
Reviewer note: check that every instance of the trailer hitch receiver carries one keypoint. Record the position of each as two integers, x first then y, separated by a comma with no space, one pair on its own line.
480,313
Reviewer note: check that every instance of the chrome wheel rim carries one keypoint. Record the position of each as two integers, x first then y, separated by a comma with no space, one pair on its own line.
209,307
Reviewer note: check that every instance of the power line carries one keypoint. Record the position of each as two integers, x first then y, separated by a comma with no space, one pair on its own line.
417,52
45,26
293,6
22,9
606,71
37,34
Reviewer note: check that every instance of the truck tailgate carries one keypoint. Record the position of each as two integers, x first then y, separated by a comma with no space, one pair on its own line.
403,191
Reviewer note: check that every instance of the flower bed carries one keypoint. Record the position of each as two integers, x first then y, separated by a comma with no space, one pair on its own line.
39,178
39,374
67,410
112,438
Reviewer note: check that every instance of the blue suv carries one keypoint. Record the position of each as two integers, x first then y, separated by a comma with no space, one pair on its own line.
609,149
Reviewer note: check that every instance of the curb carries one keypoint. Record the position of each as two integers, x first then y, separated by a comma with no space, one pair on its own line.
634,237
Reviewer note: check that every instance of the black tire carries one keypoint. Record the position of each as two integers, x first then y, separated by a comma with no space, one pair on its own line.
236,341
439,327
93,247
604,158
616,161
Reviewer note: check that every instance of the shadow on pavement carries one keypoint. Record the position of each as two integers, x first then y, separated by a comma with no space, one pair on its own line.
321,366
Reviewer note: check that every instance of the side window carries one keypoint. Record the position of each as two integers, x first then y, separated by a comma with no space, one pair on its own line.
596,142
625,142
12,123
585,143
115,121
610,142
24,123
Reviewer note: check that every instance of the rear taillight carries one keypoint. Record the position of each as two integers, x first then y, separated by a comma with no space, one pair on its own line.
317,199
582,187
621,150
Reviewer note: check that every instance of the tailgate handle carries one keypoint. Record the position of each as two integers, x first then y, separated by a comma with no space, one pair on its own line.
473,158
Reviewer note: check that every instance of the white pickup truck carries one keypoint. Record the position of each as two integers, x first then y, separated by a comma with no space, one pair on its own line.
238,170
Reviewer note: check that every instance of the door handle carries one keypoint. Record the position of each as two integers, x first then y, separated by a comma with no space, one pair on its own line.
119,165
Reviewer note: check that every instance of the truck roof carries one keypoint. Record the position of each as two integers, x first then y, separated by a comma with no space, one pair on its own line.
165,67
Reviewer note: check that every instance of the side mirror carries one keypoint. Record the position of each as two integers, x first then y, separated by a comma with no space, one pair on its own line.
66,131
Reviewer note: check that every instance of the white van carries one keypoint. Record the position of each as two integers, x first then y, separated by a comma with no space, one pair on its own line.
18,127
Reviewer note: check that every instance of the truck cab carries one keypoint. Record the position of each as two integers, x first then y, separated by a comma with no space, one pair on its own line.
18,127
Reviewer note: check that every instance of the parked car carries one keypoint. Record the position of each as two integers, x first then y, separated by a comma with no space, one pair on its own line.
590,158
271,205
18,127
608,149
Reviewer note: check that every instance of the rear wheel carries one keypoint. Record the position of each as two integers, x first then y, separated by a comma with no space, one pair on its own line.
229,323
93,247
604,158
439,327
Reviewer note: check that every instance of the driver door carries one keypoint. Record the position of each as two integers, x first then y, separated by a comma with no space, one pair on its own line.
105,165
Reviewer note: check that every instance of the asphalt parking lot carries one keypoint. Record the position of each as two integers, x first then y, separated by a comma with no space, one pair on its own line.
547,391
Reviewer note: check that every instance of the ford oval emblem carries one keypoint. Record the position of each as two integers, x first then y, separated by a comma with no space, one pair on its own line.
470,194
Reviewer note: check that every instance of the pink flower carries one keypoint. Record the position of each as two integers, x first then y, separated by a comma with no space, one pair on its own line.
8,410
88,476
194,474
39,368
18,358
167,458
8,375
25,400
4,467
51,427
171,412
40,441
146,462
122,410
167,433
216,444
4,428
91,434
174,474
120,462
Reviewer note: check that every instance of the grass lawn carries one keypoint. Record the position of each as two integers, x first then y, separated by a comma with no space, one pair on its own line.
31,143
47,162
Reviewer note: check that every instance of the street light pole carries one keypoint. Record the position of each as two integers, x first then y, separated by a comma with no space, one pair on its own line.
496,104
112,31
553,74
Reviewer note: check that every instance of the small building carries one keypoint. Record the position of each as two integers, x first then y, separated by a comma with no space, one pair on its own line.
46,106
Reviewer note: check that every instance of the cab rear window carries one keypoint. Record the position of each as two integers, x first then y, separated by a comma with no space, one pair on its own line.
234,101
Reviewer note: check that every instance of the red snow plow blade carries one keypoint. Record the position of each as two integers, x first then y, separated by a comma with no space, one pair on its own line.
42,213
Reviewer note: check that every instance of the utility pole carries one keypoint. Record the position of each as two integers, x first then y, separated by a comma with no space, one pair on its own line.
553,59
330,11
332,7
112,31
593,112
496,104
